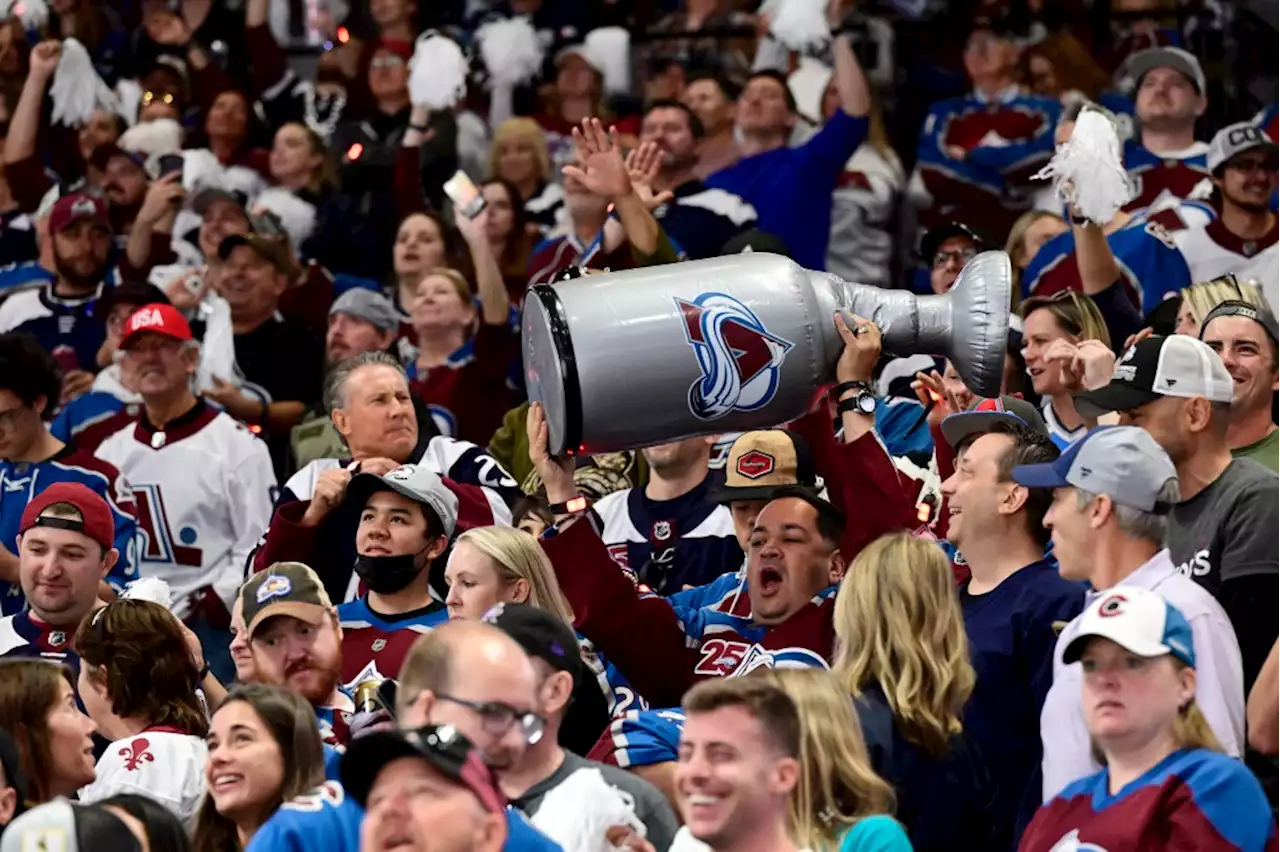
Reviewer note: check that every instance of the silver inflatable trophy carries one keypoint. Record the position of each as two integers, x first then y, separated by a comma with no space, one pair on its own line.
633,358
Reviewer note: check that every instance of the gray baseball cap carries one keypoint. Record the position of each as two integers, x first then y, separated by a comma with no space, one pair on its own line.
1178,365
1236,139
414,481
374,308
1123,462
1166,57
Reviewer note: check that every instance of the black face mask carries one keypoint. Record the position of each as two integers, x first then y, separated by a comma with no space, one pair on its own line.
387,575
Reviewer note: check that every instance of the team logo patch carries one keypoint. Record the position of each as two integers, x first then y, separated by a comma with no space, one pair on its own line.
1112,606
662,530
755,464
739,358
57,638
274,586
379,644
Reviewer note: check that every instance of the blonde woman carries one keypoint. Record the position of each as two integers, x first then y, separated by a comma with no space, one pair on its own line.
520,156
1058,332
1166,783
1202,297
1030,231
839,802
901,652
493,565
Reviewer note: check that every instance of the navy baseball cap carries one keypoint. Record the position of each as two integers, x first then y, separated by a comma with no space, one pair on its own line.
1138,620
984,414
1123,462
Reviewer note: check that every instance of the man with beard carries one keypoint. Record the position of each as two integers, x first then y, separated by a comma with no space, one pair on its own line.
1245,338
1243,162
125,185
296,642
700,219
60,314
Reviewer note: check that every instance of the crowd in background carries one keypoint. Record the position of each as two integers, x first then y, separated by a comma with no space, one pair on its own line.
285,560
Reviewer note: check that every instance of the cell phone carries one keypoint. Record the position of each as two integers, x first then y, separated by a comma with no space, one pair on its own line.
465,195
169,164
66,359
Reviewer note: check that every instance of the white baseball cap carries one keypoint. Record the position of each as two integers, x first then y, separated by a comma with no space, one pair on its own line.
1138,620
1178,365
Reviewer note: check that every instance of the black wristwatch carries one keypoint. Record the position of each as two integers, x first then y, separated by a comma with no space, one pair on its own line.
863,400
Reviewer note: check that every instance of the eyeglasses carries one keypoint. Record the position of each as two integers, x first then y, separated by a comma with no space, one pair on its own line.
497,718
964,255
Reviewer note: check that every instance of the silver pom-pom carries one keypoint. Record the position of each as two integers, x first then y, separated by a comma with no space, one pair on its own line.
1088,169
437,72
77,89
510,50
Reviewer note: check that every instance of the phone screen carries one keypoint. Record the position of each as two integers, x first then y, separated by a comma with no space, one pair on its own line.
464,194
170,163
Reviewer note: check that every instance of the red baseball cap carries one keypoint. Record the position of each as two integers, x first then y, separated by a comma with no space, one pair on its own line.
96,520
159,318
76,207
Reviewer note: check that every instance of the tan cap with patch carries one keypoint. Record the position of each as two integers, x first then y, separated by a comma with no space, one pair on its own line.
763,461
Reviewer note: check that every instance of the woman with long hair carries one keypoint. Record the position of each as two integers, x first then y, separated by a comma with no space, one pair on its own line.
54,738
264,749
138,682
520,156
1165,783
493,565
155,826
902,653
839,801
424,241
1060,67
510,235
1052,327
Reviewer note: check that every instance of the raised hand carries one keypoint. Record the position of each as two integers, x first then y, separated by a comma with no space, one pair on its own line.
643,164
931,390
556,474
330,489
600,167
45,57
168,28
1071,370
861,348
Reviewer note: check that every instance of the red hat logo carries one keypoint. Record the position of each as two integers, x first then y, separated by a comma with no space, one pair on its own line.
754,464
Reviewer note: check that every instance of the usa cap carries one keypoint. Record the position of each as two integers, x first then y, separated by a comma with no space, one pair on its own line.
418,483
285,588
1167,57
1236,139
157,318
96,520
763,461
1138,620
1123,462
1177,366
983,415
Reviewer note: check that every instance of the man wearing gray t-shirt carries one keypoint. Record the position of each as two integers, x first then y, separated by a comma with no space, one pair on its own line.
1223,532
545,765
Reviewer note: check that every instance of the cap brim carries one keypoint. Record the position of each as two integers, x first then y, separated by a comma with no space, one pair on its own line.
1075,648
725,494
957,427
1039,476
231,243
1112,397
308,612
124,342
365,485
366,756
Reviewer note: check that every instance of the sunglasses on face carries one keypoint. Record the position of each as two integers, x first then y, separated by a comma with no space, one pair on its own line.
149,97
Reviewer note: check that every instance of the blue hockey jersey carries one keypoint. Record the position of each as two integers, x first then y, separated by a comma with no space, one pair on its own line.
669,544
22,636
1162,180
641,738
83,412
21,481
702,219
65,327
326,819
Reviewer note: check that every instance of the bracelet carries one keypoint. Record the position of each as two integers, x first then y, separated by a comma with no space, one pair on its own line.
844,387
421,128
204,673
571,506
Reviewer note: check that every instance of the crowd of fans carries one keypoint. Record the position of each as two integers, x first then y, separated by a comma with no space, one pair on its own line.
285,561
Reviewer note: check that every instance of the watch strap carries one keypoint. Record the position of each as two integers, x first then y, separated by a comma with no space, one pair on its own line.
844,387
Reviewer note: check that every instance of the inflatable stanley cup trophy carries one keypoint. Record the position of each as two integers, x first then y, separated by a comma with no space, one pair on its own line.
633,358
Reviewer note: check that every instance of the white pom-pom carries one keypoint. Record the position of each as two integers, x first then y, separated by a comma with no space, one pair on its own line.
610,48
149,589
800,24
437,72
77,89
808,83
153,138
1088,170
34,14
200,170
582,809
297,216
243,179
128,101
510,50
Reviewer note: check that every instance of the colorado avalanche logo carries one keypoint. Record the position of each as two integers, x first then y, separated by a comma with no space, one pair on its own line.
740,360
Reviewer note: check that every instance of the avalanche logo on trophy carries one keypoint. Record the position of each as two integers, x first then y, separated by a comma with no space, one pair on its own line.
740,359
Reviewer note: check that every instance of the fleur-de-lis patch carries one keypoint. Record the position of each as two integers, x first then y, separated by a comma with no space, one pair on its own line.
137,753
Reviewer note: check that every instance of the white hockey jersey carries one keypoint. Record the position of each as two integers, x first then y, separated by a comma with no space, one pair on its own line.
163,764
1213,251
203,488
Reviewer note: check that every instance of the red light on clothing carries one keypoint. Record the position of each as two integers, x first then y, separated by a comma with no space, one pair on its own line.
344,35
354,152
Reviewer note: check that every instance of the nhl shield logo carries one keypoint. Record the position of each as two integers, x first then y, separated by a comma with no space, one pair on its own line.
57,638
379,644
740,360
662,530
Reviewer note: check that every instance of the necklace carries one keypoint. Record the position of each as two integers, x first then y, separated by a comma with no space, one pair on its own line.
336,105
